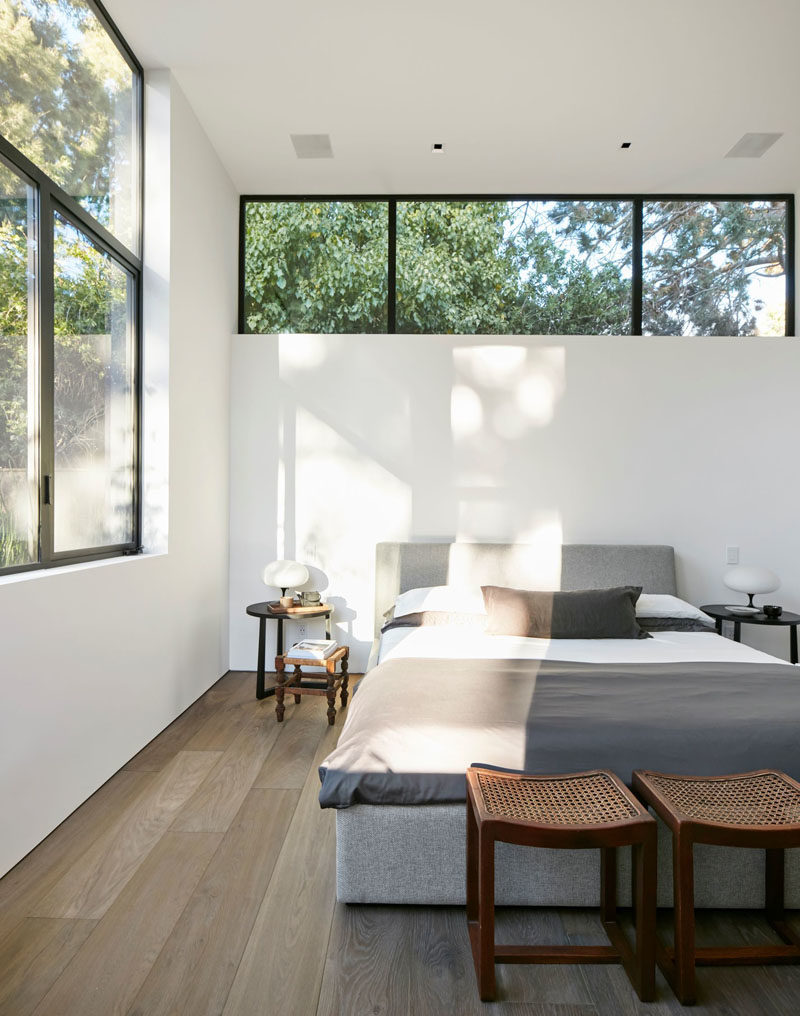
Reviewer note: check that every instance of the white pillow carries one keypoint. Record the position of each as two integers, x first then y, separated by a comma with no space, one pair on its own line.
454,599
663,605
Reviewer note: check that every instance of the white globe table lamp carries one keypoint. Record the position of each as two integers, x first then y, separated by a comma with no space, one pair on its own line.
285,575
751,580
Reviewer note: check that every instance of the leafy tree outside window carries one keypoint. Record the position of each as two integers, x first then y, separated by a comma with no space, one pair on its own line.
546,267
70,272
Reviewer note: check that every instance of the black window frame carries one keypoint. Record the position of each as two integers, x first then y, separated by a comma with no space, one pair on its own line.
50,198
637,200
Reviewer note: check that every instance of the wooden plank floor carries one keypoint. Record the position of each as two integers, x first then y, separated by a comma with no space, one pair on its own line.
200,880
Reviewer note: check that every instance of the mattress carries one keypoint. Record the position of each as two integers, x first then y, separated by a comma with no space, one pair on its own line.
460,643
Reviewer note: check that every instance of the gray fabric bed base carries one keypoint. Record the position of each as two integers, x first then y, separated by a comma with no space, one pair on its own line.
397,854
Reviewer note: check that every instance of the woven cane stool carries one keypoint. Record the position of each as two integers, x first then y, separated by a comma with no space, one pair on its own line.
571,811
758,809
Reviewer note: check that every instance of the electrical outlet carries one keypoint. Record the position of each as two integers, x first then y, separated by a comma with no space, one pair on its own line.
731,555
300,631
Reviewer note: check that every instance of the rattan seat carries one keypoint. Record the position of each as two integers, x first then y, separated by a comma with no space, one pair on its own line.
568,811
757,809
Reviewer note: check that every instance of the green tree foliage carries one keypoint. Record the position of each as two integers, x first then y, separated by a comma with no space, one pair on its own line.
65,101
573,268
455,274
555,268
13,328
89,296
700,260
316,267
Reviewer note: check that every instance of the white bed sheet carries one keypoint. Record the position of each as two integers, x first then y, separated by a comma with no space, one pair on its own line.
459,642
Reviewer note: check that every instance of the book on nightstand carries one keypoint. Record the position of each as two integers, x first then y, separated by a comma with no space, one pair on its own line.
313,649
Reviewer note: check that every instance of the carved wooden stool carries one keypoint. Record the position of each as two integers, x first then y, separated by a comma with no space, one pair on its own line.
571,811
758,809
297,687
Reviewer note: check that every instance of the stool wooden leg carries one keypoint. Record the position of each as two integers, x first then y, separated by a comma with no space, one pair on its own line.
643,864
683,878
345,680
298,673
774,890
608,884
280,669
485,937
330,691
472,865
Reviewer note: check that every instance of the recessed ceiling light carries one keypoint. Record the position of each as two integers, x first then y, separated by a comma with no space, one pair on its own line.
312,146
437,148
625,144
752,146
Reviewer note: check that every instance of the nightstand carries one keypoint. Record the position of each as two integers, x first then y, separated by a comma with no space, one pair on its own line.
273,611
721,613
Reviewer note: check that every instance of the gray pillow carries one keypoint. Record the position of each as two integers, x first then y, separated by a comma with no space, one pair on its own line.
579,614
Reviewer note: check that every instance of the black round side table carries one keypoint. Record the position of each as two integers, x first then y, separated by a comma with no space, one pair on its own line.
271,610
787,619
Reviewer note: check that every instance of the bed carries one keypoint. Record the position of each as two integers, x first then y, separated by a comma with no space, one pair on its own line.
439,697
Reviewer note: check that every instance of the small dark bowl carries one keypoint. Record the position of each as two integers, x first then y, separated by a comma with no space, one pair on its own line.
771,610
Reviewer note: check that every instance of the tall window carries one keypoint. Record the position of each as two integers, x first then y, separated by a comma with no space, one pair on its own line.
70,282
512,266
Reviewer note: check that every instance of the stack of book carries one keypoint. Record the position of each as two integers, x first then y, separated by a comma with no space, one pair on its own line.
313,649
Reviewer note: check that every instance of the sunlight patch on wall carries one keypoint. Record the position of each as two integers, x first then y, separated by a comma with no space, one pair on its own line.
466,412
502,398
303,352
547,535
506,390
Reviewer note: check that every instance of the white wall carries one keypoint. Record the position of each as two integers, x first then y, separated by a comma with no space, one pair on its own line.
96,660
341,441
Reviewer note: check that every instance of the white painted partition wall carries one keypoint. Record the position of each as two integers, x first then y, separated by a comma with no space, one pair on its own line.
341,441
96,660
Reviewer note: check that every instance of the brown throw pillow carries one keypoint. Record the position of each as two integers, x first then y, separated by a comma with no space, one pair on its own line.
580,614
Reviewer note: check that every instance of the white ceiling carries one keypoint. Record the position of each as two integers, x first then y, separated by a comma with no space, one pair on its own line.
528,96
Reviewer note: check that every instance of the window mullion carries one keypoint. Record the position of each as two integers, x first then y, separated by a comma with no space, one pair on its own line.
46,379
789,268
636,266
392,269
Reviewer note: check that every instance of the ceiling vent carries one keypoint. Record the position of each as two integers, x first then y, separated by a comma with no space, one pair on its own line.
752,146
312,146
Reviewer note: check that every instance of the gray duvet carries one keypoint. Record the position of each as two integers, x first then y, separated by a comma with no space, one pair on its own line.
415,725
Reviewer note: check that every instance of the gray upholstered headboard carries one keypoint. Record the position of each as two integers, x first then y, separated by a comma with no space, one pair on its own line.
402,566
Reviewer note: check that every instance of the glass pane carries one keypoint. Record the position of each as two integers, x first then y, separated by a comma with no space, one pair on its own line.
18,489
514,267
714,268
93,400
68,102
316,266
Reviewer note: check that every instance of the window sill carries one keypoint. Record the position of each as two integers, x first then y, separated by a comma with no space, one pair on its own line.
107,562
